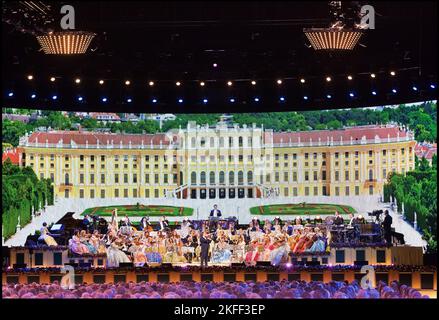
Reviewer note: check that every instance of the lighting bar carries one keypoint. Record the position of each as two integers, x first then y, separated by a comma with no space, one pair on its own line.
66,42
332,38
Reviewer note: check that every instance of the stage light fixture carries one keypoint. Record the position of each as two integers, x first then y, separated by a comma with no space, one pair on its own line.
65,42
279,81
178,83
52,79
80,98
256,99
10,94
392,73
180,100
104,99
229,83
30,77
77,80
328,96
351,94
394,91
415,88
305,97
350,77
302,80
151,83
253,82
332,39
54,97
154,100
338,36
374,93
127,82
432,86
282,99
202,83
101,82
205,100
33,96
129,100
328,79
215,65
232,100
373,75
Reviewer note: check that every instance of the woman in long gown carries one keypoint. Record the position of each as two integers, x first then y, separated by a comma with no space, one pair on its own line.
97,242
115,255
221,253
84,238
252,254
280,251
45,235
76,246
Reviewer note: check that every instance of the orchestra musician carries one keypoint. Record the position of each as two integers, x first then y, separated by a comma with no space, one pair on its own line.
145,224
338,219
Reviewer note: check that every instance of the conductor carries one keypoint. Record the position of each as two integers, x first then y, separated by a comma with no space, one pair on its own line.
214,216
205,244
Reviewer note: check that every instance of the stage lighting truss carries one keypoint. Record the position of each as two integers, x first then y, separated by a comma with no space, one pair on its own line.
66,42
333,38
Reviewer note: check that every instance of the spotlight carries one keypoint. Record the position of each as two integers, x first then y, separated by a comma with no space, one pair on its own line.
205,100
282,99
351,94
394,90
151,83
328,96
180,100
80,98
288,265
392,73
101,81
104,99
305,97
350,77
279,81
54,97
154,100
374,93
77,80
202,83
10,94
302,80
33,96
328,79
52,79
256,99
432,86
30,77
253,83
372,75
232,100
415,88
129,100
215,65
127,83
178,83
229,83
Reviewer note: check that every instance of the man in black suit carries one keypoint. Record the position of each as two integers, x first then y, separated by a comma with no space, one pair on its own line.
214,216
387,227
215,212
205,244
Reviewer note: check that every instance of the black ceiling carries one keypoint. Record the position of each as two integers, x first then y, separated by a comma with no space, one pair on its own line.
170,41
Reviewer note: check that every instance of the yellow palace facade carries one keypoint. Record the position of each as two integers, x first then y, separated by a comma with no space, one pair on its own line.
219,162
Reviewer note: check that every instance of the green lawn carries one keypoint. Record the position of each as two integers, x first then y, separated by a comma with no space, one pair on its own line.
140,211
302,209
